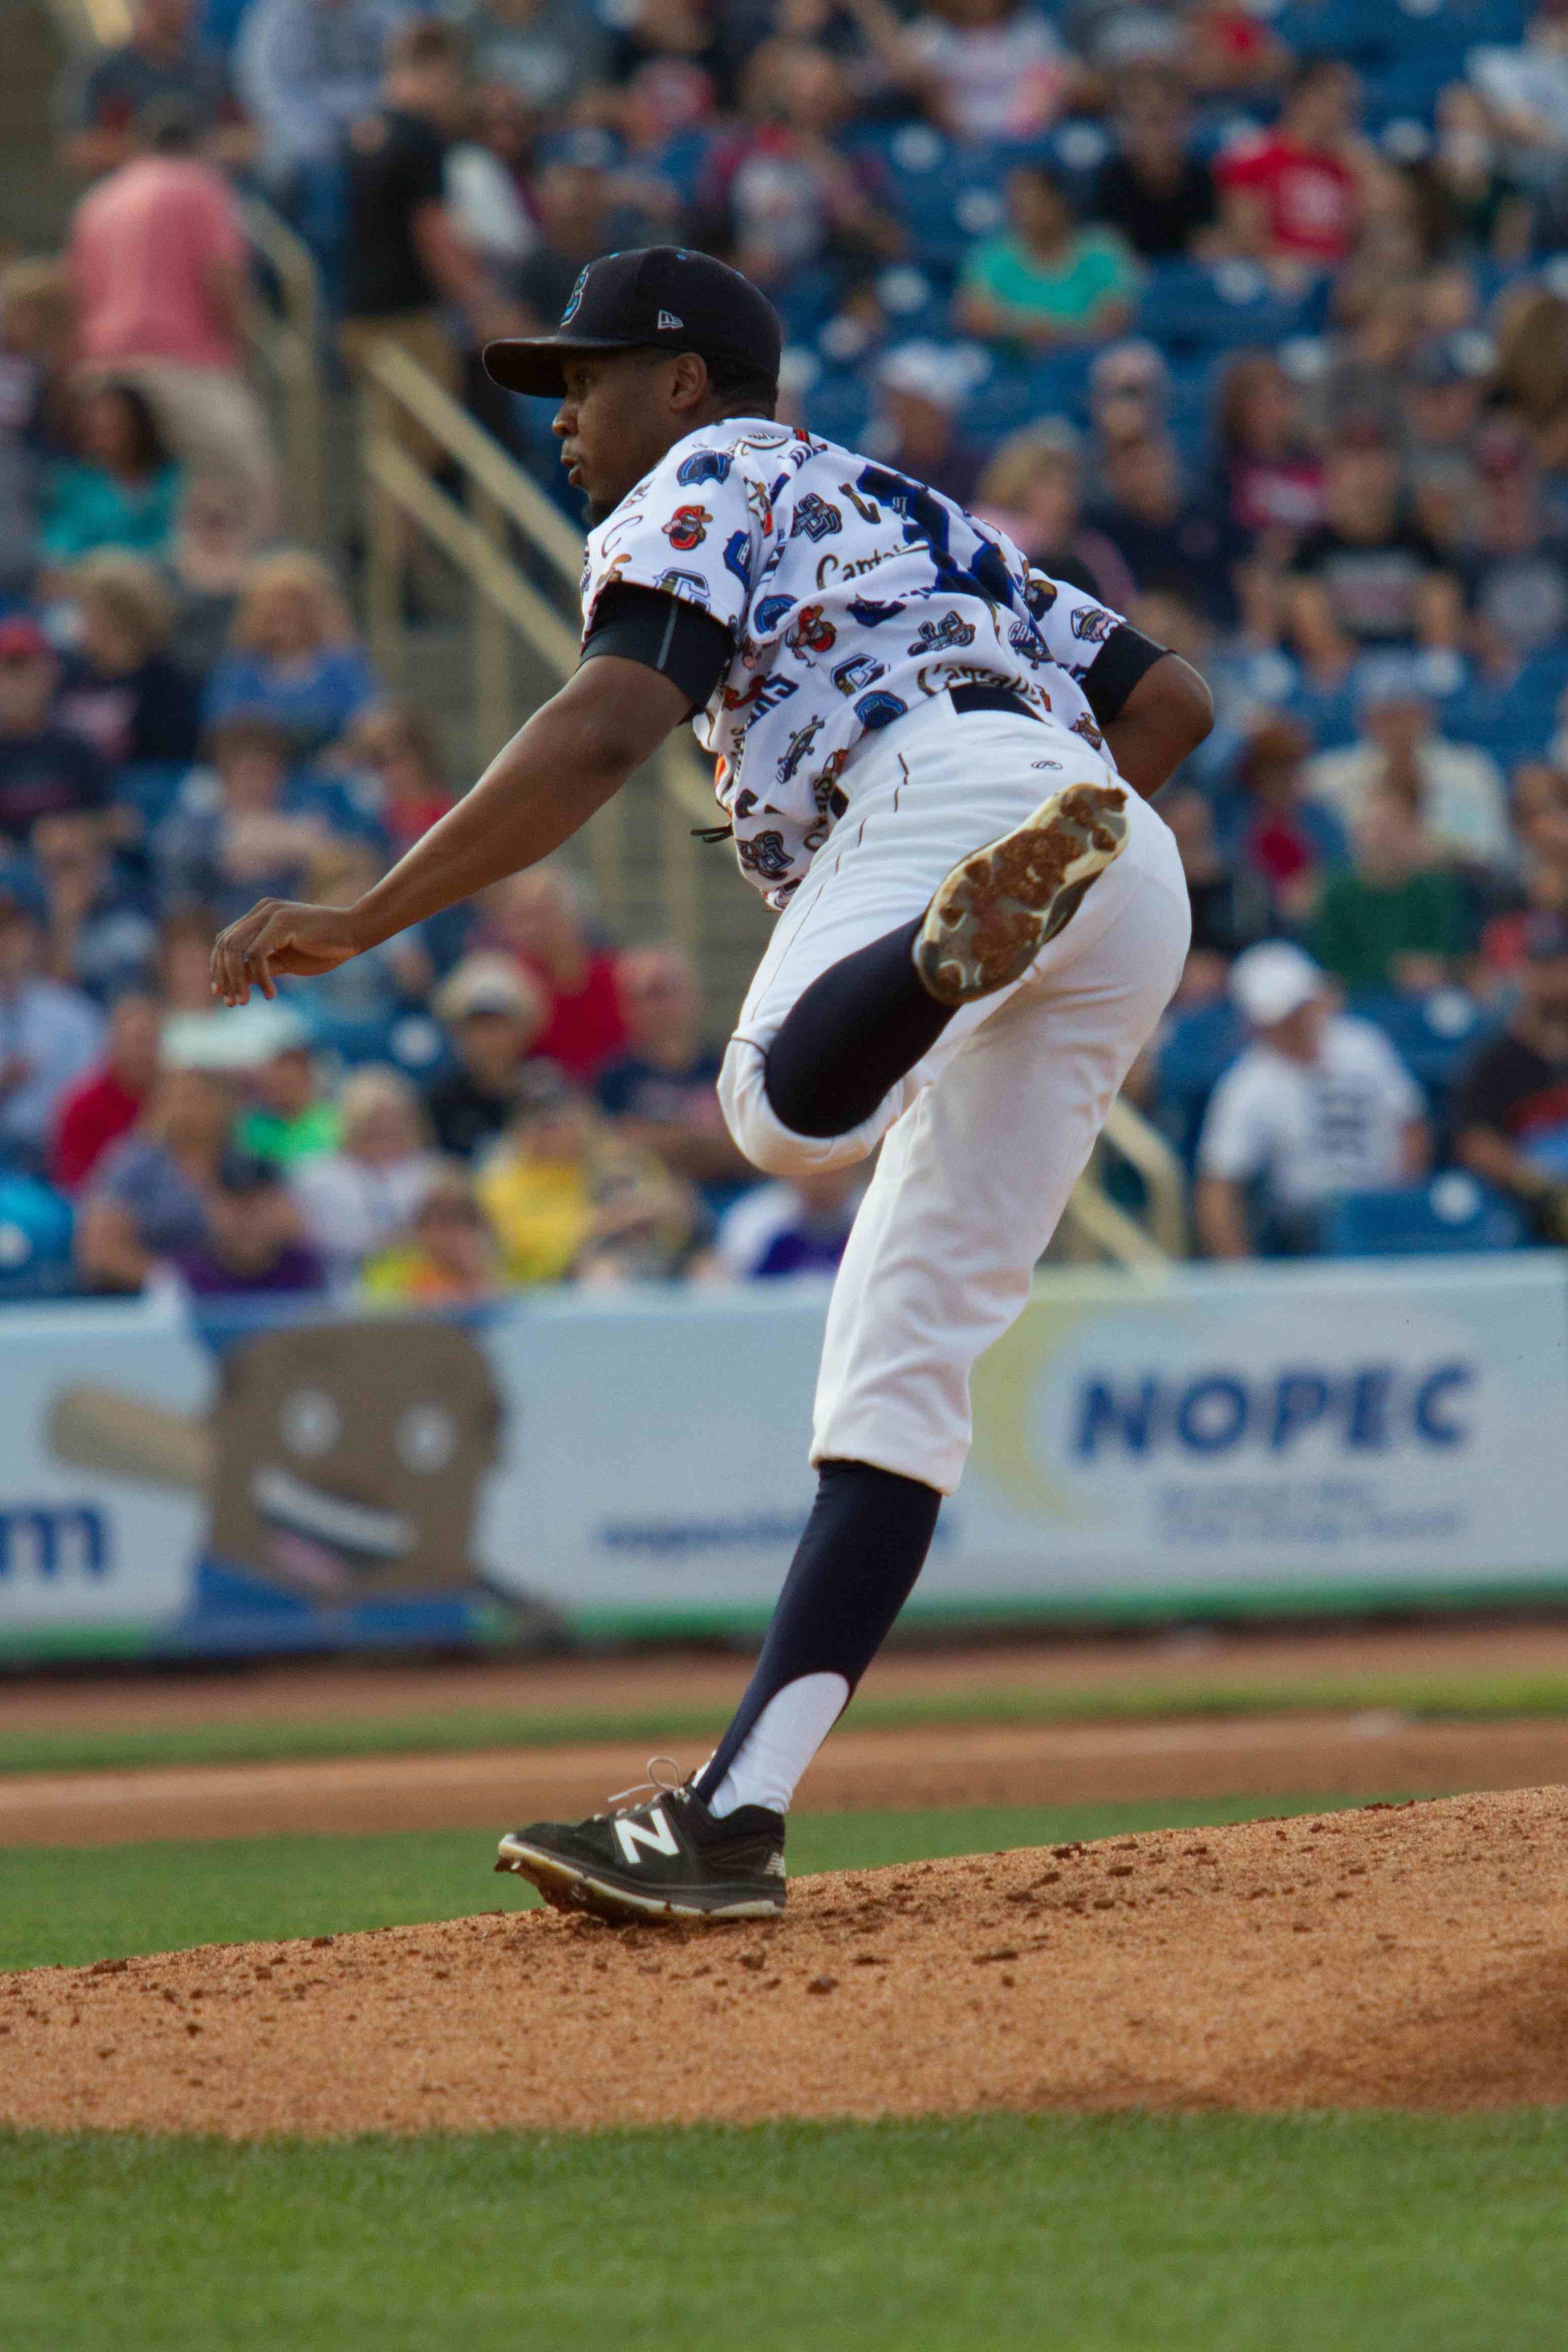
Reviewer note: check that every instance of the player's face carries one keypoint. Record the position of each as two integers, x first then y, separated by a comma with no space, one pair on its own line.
616,422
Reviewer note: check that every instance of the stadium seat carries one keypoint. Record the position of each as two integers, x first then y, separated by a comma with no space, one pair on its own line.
1449,1215
35,1224
1193,1055
1434,1035
1199,306
410,1039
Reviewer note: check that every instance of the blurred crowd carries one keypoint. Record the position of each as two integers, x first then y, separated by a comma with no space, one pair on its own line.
1248,316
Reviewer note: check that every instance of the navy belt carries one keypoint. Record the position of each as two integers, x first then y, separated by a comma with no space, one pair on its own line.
990,698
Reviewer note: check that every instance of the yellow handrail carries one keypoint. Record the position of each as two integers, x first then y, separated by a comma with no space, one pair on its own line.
543,526
290,348
1129,1133
499,493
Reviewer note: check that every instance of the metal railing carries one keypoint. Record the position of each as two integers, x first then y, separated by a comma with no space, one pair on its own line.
479,515
287,344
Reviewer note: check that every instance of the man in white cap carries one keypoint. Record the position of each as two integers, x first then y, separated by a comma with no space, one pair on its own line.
1319,1105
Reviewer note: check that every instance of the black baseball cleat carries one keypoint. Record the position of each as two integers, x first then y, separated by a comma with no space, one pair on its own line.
995,911
660,1855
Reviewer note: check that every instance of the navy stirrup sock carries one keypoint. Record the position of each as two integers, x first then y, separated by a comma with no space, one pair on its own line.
854,1568
851,1035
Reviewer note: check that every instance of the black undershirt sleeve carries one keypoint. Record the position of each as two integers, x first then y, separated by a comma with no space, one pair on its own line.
1116,669
680,641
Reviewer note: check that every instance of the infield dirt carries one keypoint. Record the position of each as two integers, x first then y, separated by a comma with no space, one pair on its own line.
1410,1956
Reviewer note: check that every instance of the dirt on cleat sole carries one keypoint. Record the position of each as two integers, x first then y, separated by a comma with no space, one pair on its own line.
566,1886
996,911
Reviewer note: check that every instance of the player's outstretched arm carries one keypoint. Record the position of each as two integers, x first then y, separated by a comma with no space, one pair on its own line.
574,754
1169,713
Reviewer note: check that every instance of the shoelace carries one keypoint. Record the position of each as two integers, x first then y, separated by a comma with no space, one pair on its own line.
629,1801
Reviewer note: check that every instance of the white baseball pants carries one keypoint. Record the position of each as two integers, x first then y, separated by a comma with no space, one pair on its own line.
987,1135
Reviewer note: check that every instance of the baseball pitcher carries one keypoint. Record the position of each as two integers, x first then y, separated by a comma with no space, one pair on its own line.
936,765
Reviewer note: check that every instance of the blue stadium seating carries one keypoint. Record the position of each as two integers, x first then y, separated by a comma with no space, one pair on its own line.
1434,1035
35,1224
1194,1053
1450,1214
1205,307
410,1039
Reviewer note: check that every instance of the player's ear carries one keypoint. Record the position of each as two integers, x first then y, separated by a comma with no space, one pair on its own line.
690,385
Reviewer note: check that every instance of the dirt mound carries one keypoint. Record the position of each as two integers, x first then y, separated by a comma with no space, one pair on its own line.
1406,1957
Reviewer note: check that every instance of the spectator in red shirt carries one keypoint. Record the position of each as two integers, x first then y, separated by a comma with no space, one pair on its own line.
1269,474
159,266
1294,197
393,754
106,1104
536,917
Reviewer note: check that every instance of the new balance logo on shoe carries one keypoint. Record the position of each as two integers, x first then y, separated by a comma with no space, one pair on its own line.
669,322
657,1836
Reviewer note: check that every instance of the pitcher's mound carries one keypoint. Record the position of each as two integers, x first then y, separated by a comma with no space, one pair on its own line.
1403,1956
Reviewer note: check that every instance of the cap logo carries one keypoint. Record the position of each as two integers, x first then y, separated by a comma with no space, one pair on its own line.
574,300
669,322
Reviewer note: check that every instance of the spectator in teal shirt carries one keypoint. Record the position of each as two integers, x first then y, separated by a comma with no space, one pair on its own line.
122,490
1045,281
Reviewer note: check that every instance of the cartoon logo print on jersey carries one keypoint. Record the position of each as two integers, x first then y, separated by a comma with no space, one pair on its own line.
704,466
938,636
688,586
1085,726
1092,624
867,509
765,854
611,574
830,798
799,748
763,694
1024,640
760,506
770,611
738,558
1041,595
871,614
824,790
817,516
686,528
929,523
809,633
859,671
875,711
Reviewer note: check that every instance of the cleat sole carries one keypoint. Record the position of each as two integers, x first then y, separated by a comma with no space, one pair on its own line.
996,911
572,1887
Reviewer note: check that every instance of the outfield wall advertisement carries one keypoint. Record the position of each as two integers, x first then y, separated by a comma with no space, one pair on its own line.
1201,1437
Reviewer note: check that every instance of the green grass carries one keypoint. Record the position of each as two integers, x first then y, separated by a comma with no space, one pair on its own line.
1199,2233
71,1903
1481,1699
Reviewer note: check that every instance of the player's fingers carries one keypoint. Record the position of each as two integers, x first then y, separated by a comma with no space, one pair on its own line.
231,953
259,957
227,967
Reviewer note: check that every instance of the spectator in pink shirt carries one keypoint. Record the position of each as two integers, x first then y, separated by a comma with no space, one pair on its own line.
158,262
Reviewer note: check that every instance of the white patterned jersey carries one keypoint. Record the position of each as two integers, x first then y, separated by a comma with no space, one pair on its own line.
851,593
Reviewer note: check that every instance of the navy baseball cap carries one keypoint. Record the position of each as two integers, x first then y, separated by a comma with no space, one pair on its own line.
658,298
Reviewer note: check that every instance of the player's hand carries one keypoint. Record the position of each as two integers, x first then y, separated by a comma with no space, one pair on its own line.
279,938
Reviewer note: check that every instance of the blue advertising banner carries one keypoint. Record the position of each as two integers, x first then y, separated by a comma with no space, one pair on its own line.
1286,1437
